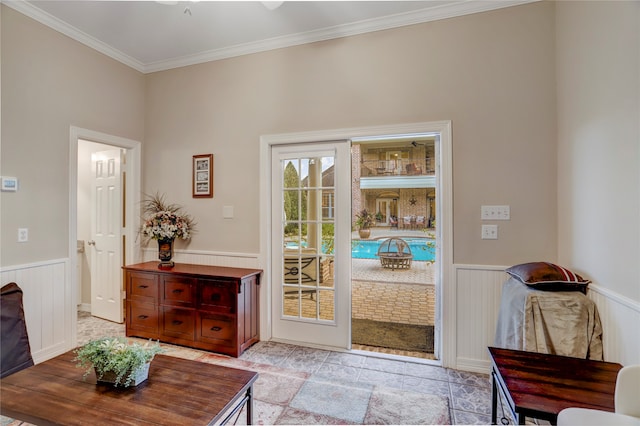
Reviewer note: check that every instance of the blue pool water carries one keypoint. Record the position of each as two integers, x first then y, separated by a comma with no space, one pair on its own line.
422,248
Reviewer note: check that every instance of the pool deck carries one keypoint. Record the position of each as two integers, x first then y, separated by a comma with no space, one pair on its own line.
402,295
372,270
378,232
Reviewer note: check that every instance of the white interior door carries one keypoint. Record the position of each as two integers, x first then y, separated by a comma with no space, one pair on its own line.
311,262
106,235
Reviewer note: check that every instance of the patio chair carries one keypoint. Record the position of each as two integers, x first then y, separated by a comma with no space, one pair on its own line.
393,221
420,222
406,222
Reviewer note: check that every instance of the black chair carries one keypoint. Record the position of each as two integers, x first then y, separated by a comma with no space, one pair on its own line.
14,345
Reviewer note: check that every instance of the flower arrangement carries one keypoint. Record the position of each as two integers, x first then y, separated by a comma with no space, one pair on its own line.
165,221
114,354
365,220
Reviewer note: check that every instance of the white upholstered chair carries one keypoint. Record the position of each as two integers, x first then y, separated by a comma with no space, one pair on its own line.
626,402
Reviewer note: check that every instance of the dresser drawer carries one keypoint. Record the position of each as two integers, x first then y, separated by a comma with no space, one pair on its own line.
178,291
177,322
142,287
142,316
218,295
219,330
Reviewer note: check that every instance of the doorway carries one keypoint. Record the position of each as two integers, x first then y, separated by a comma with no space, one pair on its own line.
386,209
115,162
444,339
394,280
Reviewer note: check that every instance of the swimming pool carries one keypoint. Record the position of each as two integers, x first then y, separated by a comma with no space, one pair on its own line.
423,249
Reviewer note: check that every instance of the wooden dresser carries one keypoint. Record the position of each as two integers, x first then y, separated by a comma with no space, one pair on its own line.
206,307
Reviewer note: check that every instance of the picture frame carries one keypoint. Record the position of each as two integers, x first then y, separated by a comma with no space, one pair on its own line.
202,182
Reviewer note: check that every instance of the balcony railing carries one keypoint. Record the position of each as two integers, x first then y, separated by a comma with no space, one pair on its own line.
400,167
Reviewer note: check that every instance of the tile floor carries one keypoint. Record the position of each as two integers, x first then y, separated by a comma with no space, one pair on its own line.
300,385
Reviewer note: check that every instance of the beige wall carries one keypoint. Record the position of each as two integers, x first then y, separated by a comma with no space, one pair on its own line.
492,74
50,83
598,60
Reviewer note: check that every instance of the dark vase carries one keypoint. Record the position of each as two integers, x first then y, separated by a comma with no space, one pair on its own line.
165,253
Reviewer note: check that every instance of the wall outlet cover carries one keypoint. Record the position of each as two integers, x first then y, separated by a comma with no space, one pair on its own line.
489,232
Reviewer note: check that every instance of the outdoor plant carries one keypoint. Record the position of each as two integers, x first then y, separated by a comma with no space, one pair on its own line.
164,221
364,219
115,354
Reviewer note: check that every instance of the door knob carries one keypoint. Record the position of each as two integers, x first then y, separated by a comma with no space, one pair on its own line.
91,243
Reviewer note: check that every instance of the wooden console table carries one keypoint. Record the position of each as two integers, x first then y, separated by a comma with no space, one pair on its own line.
541,385
206,307
177,392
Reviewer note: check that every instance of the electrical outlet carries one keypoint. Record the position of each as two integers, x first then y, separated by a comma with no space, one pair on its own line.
489,232
495,212
23,235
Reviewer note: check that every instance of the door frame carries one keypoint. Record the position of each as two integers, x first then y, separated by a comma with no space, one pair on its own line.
132,208
446,289
387,212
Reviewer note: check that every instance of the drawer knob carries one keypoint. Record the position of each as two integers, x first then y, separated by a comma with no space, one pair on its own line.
143,286
177,291
215,297
176,322
216,328
143,316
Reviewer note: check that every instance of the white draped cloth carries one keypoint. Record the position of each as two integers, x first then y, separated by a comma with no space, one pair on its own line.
551,322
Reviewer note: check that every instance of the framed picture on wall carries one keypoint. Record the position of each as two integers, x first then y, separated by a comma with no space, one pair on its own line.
203,176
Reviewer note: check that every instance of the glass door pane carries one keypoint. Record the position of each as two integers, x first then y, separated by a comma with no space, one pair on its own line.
308,236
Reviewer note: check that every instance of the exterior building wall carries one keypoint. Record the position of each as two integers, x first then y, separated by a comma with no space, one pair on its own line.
405,208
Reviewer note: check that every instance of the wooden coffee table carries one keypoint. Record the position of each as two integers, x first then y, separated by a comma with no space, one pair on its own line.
541,385
178,392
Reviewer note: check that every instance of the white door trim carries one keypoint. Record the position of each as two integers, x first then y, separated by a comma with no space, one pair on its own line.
132,216
445,216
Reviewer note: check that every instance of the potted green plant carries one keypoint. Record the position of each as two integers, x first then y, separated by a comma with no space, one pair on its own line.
116,361
364,222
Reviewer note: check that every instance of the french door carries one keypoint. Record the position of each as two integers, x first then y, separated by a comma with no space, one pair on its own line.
311,254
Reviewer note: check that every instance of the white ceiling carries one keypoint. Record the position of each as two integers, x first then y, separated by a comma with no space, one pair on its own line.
152,36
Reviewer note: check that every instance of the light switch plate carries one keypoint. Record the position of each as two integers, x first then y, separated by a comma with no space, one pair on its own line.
495,212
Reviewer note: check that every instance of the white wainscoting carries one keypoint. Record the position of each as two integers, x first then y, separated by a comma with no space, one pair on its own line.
620,319
478,293
48,305
234,260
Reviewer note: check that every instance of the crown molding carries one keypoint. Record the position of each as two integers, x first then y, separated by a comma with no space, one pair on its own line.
56,24
450,10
